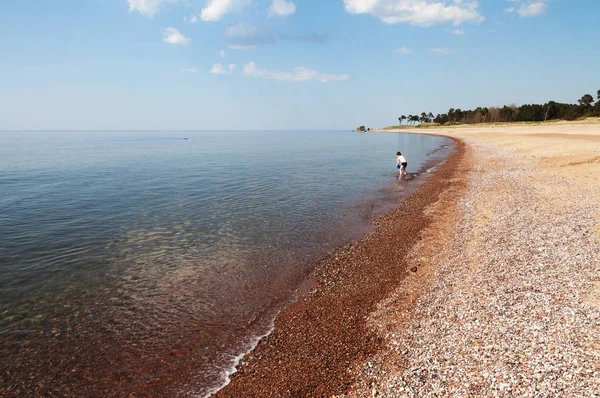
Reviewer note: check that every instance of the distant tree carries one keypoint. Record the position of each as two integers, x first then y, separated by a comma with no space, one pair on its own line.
511,113
549,106
529,113
403,118
400,121
441,118
586,100
506,114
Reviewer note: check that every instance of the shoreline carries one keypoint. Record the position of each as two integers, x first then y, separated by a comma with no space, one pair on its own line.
435,159
308,353
591,121
511,306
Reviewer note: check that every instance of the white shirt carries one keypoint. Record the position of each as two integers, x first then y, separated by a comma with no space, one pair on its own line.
401,160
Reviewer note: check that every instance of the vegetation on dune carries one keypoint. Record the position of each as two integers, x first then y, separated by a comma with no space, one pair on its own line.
510,113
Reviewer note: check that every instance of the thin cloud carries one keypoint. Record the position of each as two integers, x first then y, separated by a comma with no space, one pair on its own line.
310,38
189,70
404,51
220,69
241,47
528,8
173,36
299,74
418,12
444,51
245,36
458,32
190,19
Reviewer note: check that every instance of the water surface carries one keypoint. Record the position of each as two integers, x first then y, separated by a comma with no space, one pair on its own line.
135,261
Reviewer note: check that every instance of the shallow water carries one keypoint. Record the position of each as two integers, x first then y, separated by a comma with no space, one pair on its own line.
135,260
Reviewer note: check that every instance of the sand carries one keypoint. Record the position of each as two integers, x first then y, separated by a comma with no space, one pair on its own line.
317,340
510,304
495,291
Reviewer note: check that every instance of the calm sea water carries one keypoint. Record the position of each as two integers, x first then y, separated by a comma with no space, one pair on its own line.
148,261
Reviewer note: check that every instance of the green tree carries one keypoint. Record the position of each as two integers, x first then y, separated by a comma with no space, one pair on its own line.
403,118
458,115
598,95
586,100
430,116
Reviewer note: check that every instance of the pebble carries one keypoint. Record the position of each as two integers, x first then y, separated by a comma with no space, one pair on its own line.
508,312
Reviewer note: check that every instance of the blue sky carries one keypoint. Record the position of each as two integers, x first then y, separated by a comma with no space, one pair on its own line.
285,64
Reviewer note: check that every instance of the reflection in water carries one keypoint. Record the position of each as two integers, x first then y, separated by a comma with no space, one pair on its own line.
143,265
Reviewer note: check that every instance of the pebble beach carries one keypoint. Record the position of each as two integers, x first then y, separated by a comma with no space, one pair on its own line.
485,282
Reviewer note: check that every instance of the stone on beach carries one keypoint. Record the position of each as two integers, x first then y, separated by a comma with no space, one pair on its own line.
512,309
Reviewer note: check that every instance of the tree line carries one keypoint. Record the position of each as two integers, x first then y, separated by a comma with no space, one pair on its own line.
551,110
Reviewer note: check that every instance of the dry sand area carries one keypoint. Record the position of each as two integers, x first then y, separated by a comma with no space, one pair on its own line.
506,301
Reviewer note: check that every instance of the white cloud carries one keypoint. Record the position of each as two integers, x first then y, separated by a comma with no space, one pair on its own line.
299,74
418,12
216,9
528,8
404,51
444,51
458,32
223,54
220,69
282,8
147,8
190,19
173,36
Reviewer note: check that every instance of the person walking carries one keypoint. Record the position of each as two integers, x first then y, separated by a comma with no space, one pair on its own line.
401,164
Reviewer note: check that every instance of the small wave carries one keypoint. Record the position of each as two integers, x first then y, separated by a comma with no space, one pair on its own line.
227,373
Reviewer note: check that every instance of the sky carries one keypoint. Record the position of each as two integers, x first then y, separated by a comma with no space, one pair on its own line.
285,64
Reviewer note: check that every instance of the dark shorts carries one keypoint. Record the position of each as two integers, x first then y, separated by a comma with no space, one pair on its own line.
404,164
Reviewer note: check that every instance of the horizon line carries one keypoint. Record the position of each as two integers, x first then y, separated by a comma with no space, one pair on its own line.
159,130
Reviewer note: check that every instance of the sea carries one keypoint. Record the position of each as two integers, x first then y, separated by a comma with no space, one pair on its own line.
150,262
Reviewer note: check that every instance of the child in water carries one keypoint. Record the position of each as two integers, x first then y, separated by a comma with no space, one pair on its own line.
401,164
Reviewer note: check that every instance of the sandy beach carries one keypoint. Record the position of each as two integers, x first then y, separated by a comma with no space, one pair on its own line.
486,282
510,305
